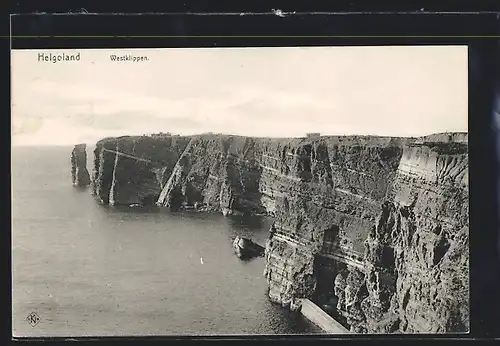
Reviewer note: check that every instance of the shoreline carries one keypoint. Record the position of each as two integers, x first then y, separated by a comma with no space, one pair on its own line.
328,198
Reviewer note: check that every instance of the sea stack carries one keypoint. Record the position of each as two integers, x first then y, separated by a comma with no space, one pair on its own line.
79,173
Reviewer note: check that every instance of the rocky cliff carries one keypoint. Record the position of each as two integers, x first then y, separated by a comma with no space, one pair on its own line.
375,227
79,174
133,170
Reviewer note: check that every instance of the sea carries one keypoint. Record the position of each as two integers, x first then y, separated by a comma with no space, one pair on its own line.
84,269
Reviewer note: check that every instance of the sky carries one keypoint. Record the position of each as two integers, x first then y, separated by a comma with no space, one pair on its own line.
264,91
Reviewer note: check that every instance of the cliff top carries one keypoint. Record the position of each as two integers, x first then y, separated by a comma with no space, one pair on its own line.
80,147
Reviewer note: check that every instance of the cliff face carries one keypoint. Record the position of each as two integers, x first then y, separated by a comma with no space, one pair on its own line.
416,256
79,173
133,170
376,228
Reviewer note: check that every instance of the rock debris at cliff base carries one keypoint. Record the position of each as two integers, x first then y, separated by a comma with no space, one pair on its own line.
244,248
79,174
375,229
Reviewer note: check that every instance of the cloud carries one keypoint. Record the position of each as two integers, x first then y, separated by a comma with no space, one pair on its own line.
90,108
60,132
275,92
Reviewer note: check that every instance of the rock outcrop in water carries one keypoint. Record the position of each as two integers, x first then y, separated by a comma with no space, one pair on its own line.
378,225
79,173
245,248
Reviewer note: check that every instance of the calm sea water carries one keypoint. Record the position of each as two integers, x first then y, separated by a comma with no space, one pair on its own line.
87,269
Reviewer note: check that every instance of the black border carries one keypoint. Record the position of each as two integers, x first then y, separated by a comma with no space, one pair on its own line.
414,26
259,29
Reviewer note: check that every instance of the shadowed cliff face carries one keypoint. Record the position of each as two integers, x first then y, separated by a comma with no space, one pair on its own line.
133,170
79,173
376,228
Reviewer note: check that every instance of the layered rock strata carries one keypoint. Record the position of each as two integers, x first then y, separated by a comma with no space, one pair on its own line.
416,256
79,173
244,248
133,170
375,226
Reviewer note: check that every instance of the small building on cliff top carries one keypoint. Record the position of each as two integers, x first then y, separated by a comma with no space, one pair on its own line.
313,135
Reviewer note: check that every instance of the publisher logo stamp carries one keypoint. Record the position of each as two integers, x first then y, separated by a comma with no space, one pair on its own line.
33,319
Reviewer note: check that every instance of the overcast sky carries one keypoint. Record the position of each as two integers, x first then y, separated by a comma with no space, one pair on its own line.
277,92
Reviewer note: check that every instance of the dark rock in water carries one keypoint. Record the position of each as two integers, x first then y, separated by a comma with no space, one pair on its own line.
79,173
385,218
245,248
